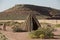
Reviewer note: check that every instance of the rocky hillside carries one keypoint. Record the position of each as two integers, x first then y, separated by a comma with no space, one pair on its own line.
20,11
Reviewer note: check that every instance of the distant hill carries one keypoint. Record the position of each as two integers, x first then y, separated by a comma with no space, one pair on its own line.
20,12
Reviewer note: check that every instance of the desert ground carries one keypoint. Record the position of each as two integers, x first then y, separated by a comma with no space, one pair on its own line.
42,20
25,35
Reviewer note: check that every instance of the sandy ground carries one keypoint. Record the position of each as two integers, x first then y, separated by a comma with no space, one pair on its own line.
41,20
24,35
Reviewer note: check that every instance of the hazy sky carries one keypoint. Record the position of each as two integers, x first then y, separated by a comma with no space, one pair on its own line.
5,4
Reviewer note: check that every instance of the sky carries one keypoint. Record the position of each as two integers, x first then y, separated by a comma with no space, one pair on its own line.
6,4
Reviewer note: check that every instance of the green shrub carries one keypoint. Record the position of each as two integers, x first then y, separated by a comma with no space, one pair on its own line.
43,33
32,35
42,36
57,25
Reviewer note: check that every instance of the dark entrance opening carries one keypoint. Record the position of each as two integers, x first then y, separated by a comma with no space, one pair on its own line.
35,26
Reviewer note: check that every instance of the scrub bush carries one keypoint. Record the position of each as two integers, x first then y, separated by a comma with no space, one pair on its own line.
46,32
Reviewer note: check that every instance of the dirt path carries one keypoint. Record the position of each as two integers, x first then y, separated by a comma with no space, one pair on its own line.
24,35
57,33
16,36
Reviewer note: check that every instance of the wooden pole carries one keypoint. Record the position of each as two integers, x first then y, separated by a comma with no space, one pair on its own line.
4,27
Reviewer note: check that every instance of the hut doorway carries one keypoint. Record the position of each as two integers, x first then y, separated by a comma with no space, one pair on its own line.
35,26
